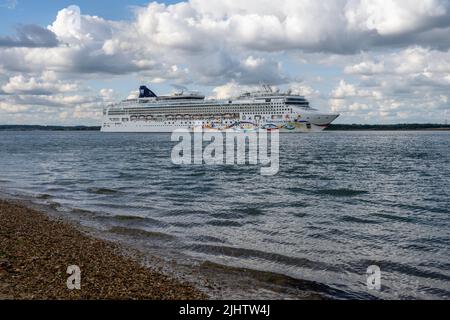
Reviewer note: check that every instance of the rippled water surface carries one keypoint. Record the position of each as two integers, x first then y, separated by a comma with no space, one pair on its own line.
342,201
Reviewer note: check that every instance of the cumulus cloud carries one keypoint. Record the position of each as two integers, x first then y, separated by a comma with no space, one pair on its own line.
51,109
231,89
341,26
46,84
366,68
220,41
390,53
406,85
396,17
216,37
30,36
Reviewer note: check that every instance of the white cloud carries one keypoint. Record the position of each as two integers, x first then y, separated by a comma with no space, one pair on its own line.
396,17
11,108
366,68
46,84
30,36
231,89
339,26
304,90
344,90
375,57
107,94
74,28
412,88
217,33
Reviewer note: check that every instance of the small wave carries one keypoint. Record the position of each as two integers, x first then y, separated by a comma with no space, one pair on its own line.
273,257
208,239
128,218
102,191
44,196
435,240
391,266
131,220
251,211
289,204
342,192
396,218
298,190
125,175
239,213
83,212
187,225
300,215
197,174
56,189
281,282
358,220
325,178
141,233
185,212
55,205
442,293
309,176
147,194
71,182
419,247
224,223
422,209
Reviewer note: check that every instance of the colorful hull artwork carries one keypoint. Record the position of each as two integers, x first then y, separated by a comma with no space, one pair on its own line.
247,126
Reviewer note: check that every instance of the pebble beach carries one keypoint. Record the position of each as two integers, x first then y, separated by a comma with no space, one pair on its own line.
36,250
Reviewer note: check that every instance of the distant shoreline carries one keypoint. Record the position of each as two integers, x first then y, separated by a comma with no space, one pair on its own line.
47,128
389,127
333,127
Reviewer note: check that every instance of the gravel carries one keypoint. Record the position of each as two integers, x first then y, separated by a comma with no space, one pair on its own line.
35,252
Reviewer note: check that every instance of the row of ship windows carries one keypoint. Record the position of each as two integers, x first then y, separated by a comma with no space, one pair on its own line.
274,117
184,123
192,112
210,109
119,113
215,106
246,114
221,106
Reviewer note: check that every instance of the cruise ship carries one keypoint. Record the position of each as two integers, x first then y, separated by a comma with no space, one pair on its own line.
265,109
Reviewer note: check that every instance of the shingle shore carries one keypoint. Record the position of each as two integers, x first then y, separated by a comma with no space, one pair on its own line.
35,252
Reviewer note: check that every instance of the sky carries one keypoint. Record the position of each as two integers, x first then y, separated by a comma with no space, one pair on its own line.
372,61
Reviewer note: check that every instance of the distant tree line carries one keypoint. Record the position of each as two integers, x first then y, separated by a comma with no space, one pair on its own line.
380,127
47,128
333,127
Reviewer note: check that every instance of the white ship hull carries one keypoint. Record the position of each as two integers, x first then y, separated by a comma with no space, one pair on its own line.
153,127
251,112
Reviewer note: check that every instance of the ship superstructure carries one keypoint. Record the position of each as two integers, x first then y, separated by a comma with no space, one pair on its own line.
264,109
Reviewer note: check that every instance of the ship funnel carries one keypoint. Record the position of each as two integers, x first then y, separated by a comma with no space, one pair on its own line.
145,92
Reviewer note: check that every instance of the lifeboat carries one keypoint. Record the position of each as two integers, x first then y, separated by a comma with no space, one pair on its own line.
270,127
289,126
